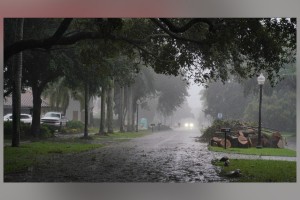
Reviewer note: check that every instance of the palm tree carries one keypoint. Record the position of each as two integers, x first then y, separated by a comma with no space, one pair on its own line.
58,94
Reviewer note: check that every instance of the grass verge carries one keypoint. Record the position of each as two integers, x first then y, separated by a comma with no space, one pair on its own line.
259,170
20,158
255,151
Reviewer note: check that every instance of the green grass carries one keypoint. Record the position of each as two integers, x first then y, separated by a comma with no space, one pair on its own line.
93,129
260,170
20,158
255,151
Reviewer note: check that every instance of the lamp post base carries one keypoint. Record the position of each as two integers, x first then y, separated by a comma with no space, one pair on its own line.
259,147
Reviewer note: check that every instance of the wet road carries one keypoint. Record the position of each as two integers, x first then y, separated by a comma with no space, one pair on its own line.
170,156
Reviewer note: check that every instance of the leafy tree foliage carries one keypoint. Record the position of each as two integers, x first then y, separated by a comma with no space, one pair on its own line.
237,101
204,48
278,111
227,99
172,92
58,94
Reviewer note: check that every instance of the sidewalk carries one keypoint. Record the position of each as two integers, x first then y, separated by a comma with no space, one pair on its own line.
218,155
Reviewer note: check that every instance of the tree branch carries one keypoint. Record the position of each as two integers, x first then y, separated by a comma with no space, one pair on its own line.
59,39
187,26
63,27
174,35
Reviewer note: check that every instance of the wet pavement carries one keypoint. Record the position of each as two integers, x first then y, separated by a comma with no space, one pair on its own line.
169,156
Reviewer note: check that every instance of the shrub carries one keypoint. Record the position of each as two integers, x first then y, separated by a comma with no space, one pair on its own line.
51,128
7,129
46,131
25,131
70,130
75,125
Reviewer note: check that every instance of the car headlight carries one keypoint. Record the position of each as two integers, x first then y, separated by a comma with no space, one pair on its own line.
191,125
186,125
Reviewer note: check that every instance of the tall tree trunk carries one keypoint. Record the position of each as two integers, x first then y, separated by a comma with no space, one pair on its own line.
16,95
86,109
129,108
110,101
102,117
121,110
133,119
36,112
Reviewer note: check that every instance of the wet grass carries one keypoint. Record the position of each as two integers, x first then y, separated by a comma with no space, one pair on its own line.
20,158
255,151
259,170
25,156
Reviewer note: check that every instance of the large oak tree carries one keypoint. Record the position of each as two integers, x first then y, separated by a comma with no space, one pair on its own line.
206,49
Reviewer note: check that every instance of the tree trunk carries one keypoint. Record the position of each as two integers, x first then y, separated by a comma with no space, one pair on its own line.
133,119
110,101
121,110
86,109
36,112
16,95
129,108
102,117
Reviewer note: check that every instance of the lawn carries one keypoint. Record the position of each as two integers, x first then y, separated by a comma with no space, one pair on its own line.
255,151
20,158
259,170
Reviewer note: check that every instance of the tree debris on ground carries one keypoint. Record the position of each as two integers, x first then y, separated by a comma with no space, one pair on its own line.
245,137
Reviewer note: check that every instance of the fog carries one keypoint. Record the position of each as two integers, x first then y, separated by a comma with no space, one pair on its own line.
193,99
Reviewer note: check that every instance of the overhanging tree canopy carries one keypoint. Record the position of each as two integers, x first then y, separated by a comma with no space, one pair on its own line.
201,48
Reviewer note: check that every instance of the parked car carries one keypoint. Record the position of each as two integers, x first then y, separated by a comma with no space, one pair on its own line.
25,118
54,118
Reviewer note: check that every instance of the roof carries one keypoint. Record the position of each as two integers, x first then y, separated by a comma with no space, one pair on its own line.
26,100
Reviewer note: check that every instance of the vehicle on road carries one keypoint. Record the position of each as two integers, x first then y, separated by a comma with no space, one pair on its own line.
25,118
189,125
54,119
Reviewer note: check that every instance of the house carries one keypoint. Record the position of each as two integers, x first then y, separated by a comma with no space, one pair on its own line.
75,111
26,104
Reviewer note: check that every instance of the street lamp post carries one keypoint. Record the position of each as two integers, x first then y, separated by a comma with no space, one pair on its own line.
138,102
261,80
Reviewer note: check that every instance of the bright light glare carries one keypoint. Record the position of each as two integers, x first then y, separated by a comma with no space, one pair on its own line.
191,125
186,125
